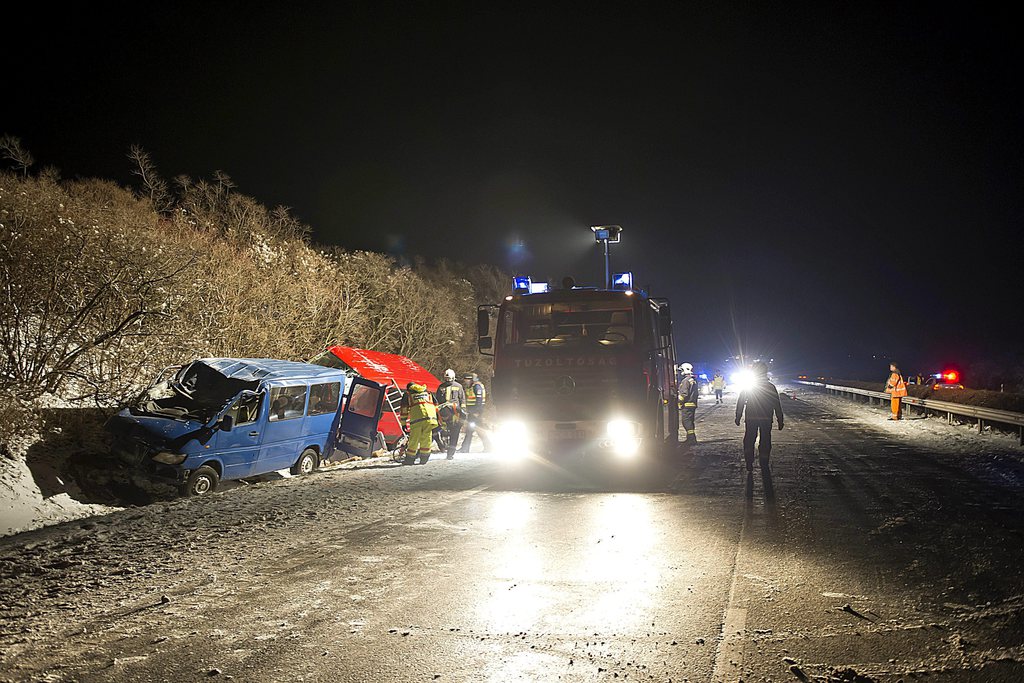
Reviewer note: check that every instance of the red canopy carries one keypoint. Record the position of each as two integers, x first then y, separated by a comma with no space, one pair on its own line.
384,367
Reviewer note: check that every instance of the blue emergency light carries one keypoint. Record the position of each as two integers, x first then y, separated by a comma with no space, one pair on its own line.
521,284
622,281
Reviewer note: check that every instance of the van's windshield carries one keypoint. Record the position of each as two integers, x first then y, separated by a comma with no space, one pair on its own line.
197,392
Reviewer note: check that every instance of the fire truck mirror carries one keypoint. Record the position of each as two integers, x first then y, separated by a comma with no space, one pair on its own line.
665,320
483,324
484,343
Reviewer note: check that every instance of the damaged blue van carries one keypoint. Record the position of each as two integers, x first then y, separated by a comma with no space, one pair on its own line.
229,418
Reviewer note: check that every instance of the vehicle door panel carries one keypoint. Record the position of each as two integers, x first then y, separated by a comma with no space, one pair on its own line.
239,448
357,431
286,406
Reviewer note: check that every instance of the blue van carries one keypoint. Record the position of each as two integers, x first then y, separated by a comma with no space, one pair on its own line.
229,418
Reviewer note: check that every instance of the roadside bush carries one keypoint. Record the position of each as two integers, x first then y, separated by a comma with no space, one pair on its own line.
101,287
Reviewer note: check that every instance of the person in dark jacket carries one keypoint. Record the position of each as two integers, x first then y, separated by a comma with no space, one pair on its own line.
762,404
476,399
689,390
451,408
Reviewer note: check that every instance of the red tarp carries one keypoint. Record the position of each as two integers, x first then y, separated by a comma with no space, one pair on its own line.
383,367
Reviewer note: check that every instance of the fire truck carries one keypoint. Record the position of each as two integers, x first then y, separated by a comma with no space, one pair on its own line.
581,371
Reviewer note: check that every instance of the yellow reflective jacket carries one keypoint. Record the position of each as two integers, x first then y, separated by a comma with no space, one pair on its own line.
419,405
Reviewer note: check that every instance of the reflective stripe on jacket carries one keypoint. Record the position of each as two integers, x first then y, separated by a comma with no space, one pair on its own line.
421,405
896,386
476,396
688,391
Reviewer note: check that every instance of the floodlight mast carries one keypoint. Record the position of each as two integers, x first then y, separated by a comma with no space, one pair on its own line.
605,234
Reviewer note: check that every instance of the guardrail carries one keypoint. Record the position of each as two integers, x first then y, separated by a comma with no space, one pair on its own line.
926,405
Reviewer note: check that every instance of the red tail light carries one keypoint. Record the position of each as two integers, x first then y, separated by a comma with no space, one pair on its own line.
950,376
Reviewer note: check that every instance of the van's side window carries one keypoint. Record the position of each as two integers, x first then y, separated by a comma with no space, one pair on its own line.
365,400
246,410
323,398
287,402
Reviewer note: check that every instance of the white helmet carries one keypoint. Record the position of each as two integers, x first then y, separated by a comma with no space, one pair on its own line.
449,374
686,368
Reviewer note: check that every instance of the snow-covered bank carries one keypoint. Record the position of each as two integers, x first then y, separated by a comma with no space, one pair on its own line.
24,505
962,438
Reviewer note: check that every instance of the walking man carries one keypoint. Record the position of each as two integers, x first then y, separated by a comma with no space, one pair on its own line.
689,389
761,403
451,408
896,388
718,384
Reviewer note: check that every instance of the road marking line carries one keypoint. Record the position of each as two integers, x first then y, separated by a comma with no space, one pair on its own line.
729,660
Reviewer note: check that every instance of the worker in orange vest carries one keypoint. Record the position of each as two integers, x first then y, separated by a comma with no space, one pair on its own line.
896,388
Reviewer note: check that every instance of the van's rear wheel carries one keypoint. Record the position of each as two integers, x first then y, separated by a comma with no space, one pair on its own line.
306,463
202,481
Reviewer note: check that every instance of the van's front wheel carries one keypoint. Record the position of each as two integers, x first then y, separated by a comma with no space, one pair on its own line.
306,462
200,482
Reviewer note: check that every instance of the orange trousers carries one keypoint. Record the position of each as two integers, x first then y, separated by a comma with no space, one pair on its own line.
895,407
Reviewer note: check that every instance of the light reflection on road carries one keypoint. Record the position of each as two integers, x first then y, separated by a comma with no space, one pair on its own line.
588,563
619,555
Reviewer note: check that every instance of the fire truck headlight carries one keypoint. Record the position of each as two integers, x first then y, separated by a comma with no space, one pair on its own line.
513,438
624,437
618,429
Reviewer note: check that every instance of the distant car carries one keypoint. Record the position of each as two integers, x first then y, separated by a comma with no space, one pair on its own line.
941,381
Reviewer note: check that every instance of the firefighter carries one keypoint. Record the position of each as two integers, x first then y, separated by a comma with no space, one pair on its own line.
689,389
896,388
762,403
718,384
420,413
451,408
476,399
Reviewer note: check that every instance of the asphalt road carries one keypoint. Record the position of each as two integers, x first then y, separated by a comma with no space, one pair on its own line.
870,558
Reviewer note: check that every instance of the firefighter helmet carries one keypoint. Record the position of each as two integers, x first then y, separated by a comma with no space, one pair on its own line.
449,374
686,368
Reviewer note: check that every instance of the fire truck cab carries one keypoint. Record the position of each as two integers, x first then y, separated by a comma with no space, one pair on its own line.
582,371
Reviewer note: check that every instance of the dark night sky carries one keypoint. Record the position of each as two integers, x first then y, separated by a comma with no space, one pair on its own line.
818,181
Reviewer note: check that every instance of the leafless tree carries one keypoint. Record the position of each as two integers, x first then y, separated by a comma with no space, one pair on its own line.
17,155
153,185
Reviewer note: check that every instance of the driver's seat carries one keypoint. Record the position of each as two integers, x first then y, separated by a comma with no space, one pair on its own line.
619,328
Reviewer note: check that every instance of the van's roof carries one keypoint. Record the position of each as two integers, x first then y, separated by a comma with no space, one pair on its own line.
261,369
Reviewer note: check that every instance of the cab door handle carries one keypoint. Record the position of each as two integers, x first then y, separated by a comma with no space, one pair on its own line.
254,433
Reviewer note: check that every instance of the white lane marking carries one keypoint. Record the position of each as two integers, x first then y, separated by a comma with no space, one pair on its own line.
729,660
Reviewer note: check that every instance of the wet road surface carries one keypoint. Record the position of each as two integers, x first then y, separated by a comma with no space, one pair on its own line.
868,557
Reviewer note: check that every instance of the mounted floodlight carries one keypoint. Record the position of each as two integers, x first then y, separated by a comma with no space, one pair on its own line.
538,287
607,233
622,281
521,284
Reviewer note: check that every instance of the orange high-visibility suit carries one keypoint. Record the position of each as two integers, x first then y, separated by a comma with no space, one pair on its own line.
897,389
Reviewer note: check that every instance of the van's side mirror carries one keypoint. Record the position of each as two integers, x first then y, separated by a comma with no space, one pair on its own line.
483,323
484,343
227,423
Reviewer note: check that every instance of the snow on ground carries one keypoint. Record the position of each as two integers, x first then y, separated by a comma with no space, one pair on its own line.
993,455
23,506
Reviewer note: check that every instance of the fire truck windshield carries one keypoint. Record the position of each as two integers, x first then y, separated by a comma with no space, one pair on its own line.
569,324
